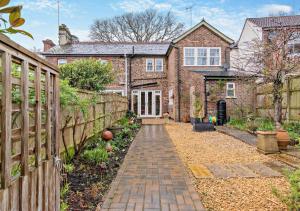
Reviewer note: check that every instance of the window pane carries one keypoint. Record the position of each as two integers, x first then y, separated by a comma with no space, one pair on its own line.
230,86
214,60
202,56
157,105
189,60
230,93
143,103
149,103
189,52
215,52
149,64
159,65
135,104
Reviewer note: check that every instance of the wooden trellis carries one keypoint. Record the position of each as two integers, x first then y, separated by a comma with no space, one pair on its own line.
30,130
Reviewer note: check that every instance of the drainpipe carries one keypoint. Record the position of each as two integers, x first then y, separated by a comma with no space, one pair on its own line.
178,83
205,99
126,75
129,79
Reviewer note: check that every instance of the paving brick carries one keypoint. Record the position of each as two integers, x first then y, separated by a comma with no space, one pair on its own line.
152,177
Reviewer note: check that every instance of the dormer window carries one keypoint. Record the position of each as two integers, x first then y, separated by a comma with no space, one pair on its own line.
202,56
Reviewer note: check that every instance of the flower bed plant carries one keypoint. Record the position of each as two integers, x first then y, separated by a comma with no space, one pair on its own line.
89,175
262,124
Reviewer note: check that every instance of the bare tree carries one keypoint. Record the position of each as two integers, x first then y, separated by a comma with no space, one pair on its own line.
271,59
146,26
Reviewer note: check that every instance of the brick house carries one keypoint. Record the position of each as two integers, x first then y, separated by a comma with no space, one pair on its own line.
163,77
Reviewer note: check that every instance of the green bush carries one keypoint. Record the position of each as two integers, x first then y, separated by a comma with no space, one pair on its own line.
292,199
238,123
69,167
88,74
96,155
293,129
265,124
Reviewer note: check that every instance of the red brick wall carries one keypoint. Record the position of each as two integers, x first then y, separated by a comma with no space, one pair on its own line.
245,97
202,37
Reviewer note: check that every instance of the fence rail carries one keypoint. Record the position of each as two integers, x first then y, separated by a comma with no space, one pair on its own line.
105,110
290,103
29,130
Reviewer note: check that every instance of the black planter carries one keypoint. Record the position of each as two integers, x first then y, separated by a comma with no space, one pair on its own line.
201,127
195,120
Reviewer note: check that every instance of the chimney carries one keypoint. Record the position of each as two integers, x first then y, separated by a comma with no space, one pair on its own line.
65,36
48,44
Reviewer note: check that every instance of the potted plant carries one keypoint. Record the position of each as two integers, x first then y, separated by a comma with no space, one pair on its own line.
266,138
198,110
283,139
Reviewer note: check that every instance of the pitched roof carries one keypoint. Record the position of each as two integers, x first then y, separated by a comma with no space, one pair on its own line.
101,48
278,21
204,23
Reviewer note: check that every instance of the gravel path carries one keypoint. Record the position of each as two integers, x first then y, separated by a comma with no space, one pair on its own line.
226,194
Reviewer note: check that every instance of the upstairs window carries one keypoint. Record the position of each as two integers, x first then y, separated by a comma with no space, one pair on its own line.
294,44
214,56
149,65
189,56
158,65
230,90
202,56
154,65
61,61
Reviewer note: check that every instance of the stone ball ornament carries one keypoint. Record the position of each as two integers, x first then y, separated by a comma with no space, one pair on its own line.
107,135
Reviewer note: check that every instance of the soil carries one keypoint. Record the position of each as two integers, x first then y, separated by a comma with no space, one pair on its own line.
88,183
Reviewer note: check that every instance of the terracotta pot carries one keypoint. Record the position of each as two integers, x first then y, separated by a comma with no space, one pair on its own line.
107,135
186,118
283,139
267,142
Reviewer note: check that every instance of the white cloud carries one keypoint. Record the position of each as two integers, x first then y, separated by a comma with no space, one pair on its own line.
82,34
48,6
140,5
275,9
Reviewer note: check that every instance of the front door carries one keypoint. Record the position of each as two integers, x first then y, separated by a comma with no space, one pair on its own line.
146,103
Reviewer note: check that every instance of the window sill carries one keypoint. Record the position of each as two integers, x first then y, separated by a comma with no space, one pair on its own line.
227,97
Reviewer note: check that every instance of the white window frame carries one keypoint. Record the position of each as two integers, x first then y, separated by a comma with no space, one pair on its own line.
292,43
162,65
171,97
153,65
61,63
103,61
207,57
227,89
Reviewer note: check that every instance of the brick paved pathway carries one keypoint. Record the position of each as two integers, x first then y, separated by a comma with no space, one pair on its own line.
152,177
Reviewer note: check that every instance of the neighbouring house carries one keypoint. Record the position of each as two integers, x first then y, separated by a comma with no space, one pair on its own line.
164,77
262,29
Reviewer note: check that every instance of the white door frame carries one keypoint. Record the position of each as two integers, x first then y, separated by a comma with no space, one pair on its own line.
154,94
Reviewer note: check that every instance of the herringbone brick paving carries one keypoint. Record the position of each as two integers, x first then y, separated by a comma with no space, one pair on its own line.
152,177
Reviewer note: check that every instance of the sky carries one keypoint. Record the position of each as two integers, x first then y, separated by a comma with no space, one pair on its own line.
226,15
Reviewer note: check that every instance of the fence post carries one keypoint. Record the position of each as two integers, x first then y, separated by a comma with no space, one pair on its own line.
38,116
48,87
6,121
288,100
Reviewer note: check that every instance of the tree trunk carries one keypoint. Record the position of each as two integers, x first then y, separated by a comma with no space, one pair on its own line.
277,94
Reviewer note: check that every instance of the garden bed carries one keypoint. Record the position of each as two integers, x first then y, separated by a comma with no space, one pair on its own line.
89,175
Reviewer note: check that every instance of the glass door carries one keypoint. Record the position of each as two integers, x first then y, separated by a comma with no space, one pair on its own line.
146,103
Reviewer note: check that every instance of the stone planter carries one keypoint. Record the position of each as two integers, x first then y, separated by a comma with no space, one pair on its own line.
283,139
267,142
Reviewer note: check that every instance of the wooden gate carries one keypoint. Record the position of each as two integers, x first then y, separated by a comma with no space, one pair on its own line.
29,130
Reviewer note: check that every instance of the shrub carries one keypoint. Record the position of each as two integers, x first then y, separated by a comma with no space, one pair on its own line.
265,124
64,190
293,129
238,123
88,74
96,155
69,167
292,199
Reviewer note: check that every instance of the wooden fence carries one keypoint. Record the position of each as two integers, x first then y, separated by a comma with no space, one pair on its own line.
30,130
290,104
103,111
